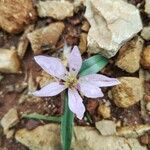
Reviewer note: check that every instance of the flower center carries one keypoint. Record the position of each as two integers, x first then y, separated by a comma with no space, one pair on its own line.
71,81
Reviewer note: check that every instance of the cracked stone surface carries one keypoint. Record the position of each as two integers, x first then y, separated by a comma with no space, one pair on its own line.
47,137
57,9
110,29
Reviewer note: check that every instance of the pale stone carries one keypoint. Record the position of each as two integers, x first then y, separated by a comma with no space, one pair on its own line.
83,43
128,93
106,127
145,59
85,26
9,61
56,9
24,42
148,106
16,15
86,138
129,55
45,137
44,79
45,37
147,6
146,33
9,120
104,110
112,23
133,131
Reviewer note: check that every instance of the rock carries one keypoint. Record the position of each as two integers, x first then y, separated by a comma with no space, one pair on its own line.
129,55
85,26
145,139
23,42
32,85
88,139
9,61
10,134
44,78
48,137
45,137
148,106
106,127
145,59
83,43
56,9
110,29
9,120
46,36
147,98
146,33
147,6
16,15
133,131
104,111
128,93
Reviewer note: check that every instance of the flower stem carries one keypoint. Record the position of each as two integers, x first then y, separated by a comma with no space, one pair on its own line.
67,121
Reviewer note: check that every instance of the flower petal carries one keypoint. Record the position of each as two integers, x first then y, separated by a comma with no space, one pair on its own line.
51,65
75,103
51,89
90,90
75,60
99,80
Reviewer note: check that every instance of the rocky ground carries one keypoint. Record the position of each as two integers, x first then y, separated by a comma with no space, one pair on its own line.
117,29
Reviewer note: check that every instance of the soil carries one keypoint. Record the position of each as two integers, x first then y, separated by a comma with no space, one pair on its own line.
53,105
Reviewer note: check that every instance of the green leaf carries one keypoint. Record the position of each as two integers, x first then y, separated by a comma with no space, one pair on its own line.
88,116
67,121
93,65
37,116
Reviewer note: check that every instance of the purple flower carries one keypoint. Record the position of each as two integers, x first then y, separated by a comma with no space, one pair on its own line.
88,85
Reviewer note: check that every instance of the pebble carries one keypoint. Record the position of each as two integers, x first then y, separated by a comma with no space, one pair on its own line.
16,15
104,111
128,93
145,58
9,61
45,37
112,24
146,33
56,9
129,55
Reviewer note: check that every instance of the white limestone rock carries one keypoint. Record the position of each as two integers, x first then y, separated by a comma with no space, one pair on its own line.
47,137
112,23
147,6
9,61
9,120
57,9
146,33
106,127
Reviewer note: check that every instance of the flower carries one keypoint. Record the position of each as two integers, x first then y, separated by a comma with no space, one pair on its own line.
88,85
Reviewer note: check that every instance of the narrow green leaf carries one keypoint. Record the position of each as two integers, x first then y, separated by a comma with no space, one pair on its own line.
37,116
93,65
67,121
89,119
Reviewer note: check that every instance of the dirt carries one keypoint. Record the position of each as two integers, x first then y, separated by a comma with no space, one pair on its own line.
53,105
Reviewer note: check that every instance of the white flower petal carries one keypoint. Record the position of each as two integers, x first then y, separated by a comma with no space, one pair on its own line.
90,90
51,65
75,103
75,60
99,80
51,89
